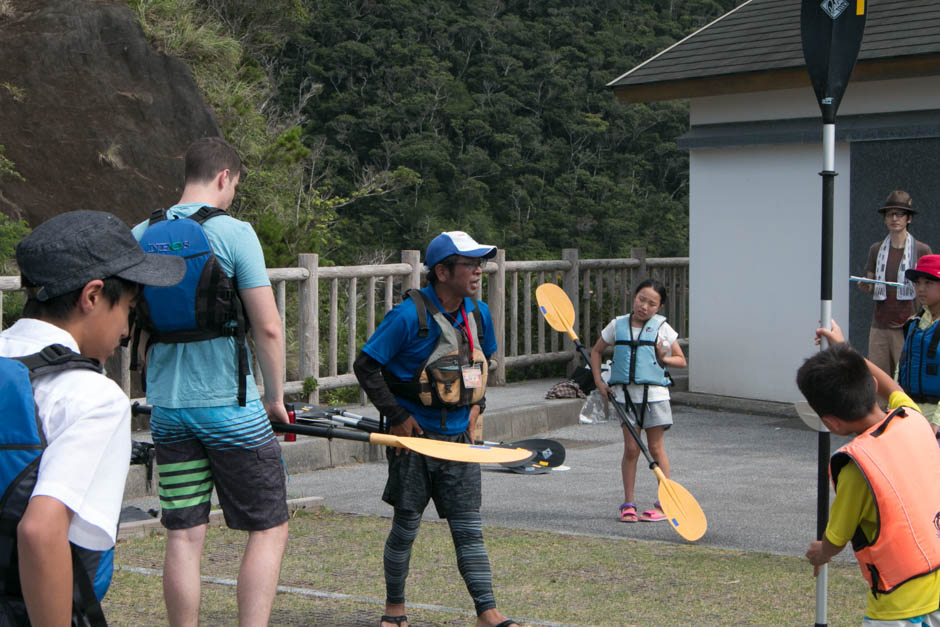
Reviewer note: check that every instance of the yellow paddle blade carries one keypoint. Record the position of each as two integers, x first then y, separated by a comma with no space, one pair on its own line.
453,451
556,307
683,511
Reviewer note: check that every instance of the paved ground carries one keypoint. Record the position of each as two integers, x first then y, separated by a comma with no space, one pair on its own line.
754,476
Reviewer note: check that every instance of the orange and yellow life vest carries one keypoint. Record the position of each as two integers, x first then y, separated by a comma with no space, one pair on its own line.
906,543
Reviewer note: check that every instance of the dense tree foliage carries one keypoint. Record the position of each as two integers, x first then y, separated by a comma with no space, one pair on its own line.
493,116
368,126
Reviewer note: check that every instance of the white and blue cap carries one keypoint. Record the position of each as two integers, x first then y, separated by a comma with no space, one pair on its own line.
455,243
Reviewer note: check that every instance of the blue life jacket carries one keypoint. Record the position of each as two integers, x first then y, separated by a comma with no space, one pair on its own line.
635,359
204,305
22,442
918,367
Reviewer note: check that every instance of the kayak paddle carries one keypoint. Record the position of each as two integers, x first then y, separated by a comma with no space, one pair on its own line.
680,507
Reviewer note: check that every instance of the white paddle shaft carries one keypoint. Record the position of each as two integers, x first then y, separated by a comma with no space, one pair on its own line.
862,279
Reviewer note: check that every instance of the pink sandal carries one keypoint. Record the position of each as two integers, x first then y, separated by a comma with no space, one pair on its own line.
628,513
655,514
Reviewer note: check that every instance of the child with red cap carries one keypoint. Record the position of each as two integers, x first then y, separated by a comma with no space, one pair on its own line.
919,363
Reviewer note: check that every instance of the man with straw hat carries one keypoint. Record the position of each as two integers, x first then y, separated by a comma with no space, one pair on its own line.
888,260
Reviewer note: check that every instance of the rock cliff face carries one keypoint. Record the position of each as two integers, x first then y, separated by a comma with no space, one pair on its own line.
90,115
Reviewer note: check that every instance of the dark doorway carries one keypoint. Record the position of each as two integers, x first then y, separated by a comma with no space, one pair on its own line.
877,168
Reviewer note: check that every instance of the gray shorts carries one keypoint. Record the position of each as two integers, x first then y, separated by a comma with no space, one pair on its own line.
657,414
414,479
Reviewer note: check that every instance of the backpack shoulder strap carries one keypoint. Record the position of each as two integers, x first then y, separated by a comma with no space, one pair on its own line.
422,304
478,319
935,338
158,215
84,598
206,213
55,358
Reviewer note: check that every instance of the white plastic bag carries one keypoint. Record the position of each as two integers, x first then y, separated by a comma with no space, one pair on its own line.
594,410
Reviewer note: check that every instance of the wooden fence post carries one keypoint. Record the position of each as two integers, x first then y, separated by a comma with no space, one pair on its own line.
640,255
570,285
309,336
413,280
497,301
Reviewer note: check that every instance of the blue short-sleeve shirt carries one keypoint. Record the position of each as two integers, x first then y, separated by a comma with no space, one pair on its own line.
396,345
205,374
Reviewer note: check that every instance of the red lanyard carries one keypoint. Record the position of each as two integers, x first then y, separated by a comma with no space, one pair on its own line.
466,325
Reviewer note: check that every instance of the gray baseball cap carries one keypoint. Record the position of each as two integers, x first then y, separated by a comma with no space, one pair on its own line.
65,252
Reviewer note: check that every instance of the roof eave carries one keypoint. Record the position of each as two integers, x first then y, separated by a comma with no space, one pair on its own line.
786,78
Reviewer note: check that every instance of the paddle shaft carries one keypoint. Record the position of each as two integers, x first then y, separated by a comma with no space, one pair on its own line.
322,430
372,424
621,411
831,35
347,418
862,279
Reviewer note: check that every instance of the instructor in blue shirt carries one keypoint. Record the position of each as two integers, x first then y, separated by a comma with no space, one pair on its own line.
425,369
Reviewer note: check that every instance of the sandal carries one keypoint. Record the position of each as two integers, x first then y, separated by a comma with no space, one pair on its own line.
655,514
507,623
398,620
628,513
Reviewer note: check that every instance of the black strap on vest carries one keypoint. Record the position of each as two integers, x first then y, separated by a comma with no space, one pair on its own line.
420,301
884,425
423,303
932,347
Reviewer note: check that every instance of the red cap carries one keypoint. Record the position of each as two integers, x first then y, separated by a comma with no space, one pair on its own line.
928,266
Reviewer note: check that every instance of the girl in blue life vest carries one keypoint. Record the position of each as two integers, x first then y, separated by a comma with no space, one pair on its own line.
644,344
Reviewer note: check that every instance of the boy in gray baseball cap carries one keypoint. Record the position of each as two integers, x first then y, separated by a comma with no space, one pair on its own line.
82,272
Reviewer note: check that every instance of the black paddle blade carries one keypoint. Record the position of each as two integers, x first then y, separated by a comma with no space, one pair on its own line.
548,453
307,411
528,468
831,31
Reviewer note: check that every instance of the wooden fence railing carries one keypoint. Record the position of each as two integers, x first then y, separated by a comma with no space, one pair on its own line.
327,312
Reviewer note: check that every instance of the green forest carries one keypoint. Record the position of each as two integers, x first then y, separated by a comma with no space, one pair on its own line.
368,127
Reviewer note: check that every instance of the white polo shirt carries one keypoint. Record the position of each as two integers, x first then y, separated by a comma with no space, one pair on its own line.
86,418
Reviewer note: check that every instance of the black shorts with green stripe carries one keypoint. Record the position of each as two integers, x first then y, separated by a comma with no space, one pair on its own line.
249,482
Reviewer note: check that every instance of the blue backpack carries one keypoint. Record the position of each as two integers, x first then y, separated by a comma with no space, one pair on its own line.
203,306
21,447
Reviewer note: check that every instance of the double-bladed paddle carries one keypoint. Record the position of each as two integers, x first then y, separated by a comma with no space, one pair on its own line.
680,507
547,453
831,33
451,451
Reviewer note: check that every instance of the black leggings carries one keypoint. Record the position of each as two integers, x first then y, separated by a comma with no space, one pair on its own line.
466,530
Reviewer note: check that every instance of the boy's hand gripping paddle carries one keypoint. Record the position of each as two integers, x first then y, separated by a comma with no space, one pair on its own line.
451,451
831,33
681,508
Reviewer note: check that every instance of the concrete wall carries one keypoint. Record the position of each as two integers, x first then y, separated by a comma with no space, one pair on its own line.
755,265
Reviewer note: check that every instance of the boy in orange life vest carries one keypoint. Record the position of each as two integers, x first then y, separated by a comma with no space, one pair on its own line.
891,523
